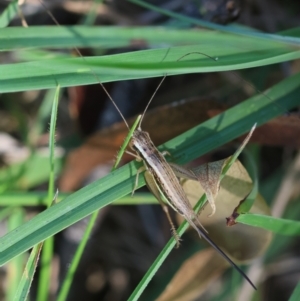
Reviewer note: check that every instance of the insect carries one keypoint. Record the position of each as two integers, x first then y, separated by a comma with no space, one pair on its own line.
162,179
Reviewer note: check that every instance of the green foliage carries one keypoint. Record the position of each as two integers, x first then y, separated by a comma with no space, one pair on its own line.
43,70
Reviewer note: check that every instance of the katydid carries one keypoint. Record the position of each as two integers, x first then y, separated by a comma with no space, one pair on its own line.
162,177
162,180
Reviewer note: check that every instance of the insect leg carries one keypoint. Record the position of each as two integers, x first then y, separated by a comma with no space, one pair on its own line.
150,181
141,169
164,153
138,158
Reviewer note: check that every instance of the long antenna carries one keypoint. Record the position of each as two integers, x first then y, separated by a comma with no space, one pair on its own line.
214,59
235,74
151,100
93,72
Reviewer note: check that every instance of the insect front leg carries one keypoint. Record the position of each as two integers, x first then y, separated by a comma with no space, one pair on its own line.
164,153
151,183
141,169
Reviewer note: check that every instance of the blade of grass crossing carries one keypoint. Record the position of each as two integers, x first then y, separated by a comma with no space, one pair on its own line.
78,254
26,280
9,13
296,293
276,225
14,268
43,116
27,277
46,74
91,16
52,145
126,141
206,24
47,253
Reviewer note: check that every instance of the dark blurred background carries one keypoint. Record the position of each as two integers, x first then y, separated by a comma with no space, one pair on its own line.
127,239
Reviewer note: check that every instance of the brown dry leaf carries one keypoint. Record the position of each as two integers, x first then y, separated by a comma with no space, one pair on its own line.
209,177
280,131
163,123
241,242
194,276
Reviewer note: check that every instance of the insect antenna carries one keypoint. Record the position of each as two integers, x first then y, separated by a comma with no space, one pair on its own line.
214,59
139,127
93,72
239,77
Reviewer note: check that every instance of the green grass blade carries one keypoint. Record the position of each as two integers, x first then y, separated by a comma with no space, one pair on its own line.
126,141
210,25
233,158
296,293
27,277
39,198
42,118
276,225
14,268
46,74
78,254
9,13
107,37
30,173
184,148
91,16
47,253
52,145
280,243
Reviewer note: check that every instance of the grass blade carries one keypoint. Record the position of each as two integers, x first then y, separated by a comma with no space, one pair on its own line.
276,225
107,37
26,280
47,253
296,293
66,72
14,270
9,13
